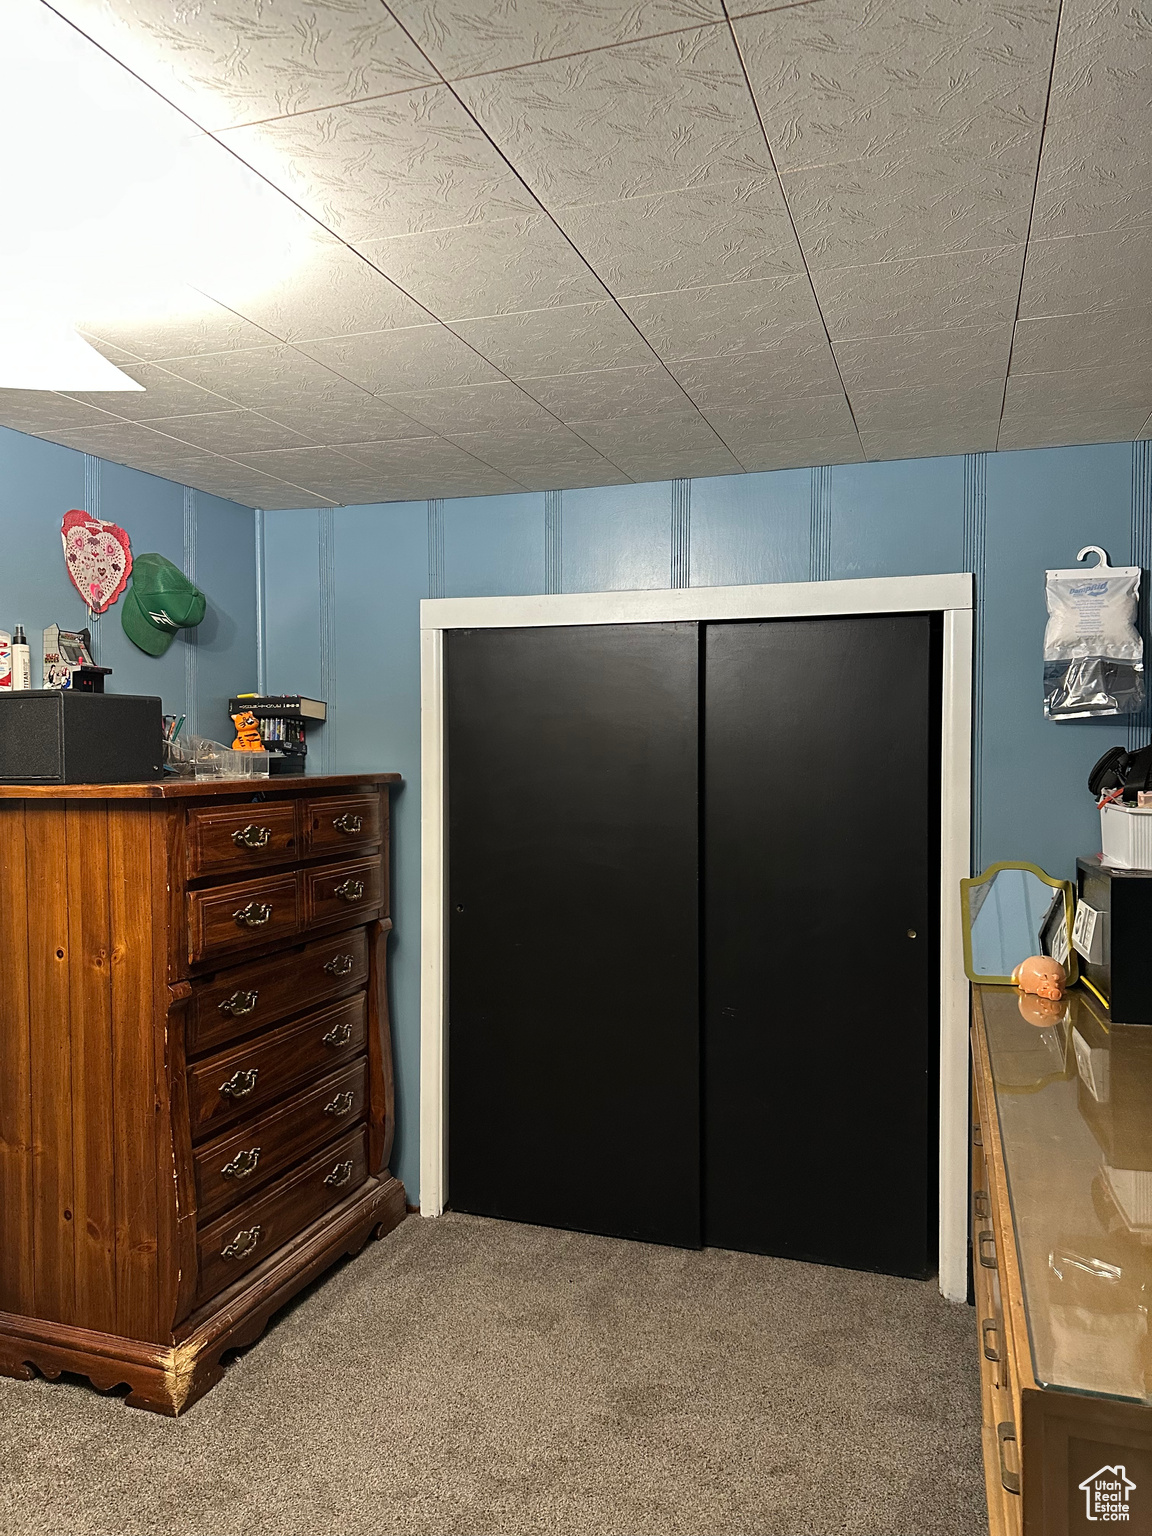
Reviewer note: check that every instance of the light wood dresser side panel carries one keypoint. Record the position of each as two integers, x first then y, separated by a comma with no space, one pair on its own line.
133,1069
17,1277
49,996
93,1118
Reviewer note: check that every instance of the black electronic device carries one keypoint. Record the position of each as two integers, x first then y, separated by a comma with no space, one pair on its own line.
1113,924
1128,772
63,736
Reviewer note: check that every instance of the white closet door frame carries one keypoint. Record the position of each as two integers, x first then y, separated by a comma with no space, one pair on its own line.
951,595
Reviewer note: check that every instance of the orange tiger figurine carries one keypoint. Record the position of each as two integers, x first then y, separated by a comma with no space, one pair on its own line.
247,733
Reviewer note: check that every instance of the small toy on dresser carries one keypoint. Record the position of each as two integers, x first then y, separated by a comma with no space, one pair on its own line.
1042,975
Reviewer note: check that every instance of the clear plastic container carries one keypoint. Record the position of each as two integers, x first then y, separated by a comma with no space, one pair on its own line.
1126,836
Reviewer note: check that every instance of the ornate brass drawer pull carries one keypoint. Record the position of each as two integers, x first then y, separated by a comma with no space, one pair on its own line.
252,836
242,1164
348,823
339,1034
254,915
340,1174
351,890
239,1003
242,1244
340,1105
339,965
240,1084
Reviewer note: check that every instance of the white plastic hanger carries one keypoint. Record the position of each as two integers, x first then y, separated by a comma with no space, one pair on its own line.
1101,566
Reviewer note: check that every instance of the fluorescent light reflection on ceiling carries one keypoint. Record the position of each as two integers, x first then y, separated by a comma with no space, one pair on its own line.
115,206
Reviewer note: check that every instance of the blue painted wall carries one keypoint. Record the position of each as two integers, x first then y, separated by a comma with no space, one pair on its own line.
344,586
212,540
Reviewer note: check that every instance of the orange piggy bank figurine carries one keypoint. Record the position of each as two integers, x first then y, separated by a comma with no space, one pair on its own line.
1042,975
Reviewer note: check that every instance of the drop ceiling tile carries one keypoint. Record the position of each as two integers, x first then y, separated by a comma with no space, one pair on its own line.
649,436
255,490
386,362
476,408
692,238
1093,175
1103,63
465,37
793,368
505,450
610,393
933,293
496,267
1091,391
164,394
1087,272
194,324
791,420
785,453
835,80
302,466
247,60
1108,341
930,442
350,416
544,342
916,410
427,456
647,467
957,359
1054,431
326,290
39,412
277,375
229,432
924,203
533,477
728,319
388,167
645,117
119,441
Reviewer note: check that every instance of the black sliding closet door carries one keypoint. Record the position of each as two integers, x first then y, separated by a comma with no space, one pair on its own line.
821,871
574,1089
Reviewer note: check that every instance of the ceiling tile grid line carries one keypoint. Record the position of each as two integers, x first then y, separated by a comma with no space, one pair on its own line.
791,219
1031,209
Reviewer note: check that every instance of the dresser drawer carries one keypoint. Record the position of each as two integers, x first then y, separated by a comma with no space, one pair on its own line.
341,822
253,1231
245,1079
244,998
232,1167
335,890
223,919
241,837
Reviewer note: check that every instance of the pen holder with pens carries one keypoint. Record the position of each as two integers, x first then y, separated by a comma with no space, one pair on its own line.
197,757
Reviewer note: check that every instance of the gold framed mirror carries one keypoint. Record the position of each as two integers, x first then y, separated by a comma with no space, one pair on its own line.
1011,911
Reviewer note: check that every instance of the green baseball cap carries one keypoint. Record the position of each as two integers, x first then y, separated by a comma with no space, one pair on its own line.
160,601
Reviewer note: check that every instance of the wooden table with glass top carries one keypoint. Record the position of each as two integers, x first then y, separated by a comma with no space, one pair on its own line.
1062,1263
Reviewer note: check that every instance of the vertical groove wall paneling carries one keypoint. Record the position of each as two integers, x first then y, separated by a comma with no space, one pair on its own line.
92,506
436,548
553,541
261,605
975,559
1140,725
326,534
17,1249
681,564
189,635
820,555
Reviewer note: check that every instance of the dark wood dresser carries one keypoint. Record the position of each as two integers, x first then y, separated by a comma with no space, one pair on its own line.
196,1103
1062,1263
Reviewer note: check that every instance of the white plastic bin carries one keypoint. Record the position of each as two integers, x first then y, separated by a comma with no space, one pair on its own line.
1126,836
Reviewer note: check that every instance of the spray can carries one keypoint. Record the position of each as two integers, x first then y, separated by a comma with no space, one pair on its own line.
21,661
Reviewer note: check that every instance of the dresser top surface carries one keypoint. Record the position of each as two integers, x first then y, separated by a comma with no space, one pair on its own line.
1074,1104
186,789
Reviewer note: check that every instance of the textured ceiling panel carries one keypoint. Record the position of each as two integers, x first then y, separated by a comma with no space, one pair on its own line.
496,267
577,264
389,167
646,117
467,37
239,61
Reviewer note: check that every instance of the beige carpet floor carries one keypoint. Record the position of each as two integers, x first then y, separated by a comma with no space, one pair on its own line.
467,1377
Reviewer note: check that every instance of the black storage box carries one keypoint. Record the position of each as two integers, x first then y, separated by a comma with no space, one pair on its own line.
1122,973
58,736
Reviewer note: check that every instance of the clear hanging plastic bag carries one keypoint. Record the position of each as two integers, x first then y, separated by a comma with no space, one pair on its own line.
1093,653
